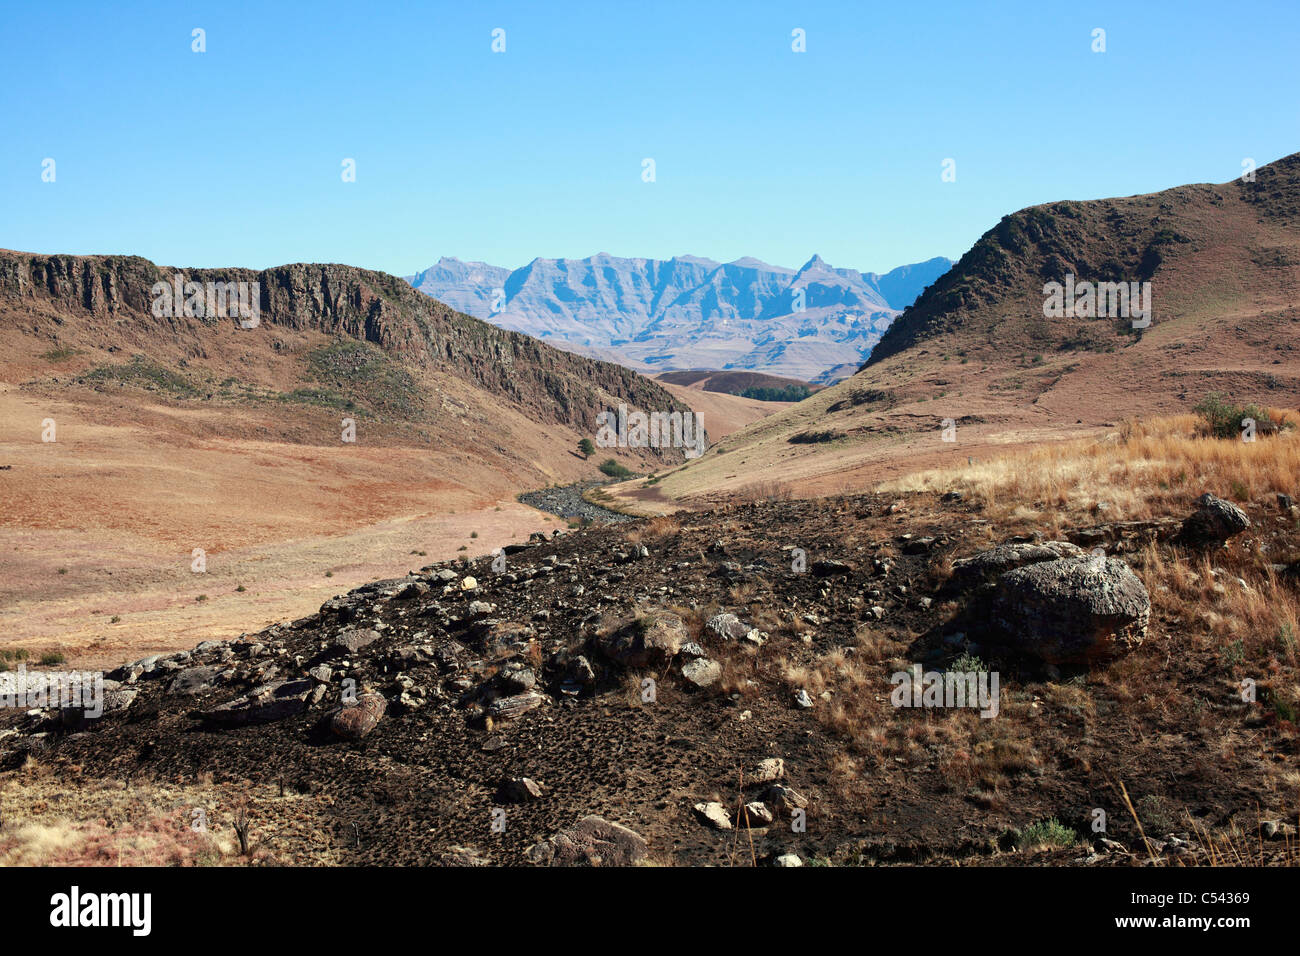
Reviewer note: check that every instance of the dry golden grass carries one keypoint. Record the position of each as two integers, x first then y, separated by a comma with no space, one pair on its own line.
741,593
772,621
763,491
106,823
1140,471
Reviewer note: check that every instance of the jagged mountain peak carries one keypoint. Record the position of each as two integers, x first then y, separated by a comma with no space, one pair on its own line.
690,311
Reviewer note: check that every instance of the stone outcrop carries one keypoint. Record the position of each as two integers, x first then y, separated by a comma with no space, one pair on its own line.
651,640
1213,522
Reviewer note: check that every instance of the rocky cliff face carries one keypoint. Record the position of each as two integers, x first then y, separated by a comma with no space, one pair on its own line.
47,293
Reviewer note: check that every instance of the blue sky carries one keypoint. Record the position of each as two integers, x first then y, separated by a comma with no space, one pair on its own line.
233,157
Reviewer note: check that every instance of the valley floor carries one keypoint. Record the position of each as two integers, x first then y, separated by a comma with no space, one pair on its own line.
98,529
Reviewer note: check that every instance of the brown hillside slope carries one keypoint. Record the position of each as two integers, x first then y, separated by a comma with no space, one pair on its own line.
104,303
1224,264
178,433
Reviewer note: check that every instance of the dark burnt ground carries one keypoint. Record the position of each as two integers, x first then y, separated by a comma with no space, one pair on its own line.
882,784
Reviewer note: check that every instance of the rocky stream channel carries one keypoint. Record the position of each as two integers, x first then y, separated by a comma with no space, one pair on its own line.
567,502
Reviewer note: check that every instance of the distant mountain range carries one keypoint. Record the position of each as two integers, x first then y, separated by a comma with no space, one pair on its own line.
816,323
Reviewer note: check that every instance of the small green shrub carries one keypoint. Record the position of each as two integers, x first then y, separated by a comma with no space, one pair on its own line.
968,663
612,468
1223,418
1050,832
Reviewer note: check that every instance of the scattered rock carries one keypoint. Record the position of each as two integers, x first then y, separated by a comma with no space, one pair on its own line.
802,700
194,680
119,699
714,814
651,640
727,626
784,799
412,589
581,672
516,677
594,841
1276,830
508,708
792,859
918,546
773,768
478,610
702,672
1214,521
354,721
264,704
520,790
353,639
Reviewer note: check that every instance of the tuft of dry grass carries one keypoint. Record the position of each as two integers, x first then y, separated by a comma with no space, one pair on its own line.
764,491
654,530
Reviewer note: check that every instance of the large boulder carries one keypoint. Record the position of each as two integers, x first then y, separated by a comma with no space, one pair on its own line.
592,841
1214,521
651,640
987,565
1073,610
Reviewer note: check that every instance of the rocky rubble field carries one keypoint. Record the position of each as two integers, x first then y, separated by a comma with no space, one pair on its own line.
715,688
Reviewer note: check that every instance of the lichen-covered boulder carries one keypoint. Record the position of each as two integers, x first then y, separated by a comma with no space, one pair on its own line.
1072,610
987,565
